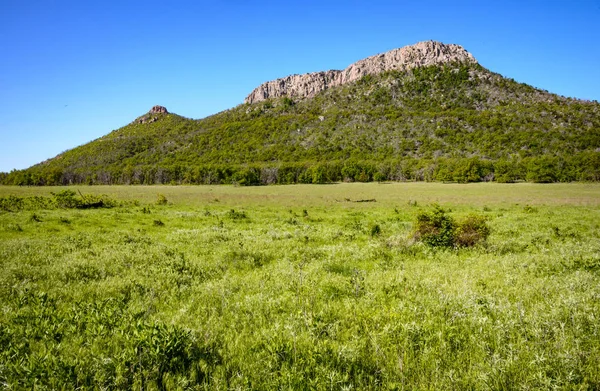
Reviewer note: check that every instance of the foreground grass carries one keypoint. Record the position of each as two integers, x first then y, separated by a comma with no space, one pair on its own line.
290,287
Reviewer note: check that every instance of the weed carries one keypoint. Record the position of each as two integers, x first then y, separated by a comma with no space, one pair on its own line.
76,242
357,281
34,218
590,263
83,272
218,303
292,221
158,223
375,230
565,233
244,259
161,199
14,227
136,239
235,215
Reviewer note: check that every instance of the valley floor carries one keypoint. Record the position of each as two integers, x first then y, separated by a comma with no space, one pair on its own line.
294,287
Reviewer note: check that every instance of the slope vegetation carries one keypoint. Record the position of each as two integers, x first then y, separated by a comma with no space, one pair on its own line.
454,122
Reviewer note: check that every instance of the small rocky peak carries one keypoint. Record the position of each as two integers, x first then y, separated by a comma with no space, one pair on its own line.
151,116
158,110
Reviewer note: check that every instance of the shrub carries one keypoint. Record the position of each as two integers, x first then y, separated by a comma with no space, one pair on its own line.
11,203
542,169
437,229
247,177
472,230
161,199
379,177
375,230
35,218
235,215
287,102
14,227
68,199
90,201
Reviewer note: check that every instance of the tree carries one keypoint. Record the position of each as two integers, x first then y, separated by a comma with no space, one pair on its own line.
542,169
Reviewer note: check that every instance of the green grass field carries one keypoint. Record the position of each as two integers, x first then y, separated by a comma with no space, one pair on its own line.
292,287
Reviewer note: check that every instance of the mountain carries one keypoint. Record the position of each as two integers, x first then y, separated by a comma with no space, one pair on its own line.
308,85
424,112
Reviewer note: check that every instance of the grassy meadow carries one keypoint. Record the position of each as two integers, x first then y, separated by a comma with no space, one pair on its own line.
301,287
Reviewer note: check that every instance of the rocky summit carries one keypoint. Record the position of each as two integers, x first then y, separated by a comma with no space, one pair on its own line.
150,117
158,110
308,85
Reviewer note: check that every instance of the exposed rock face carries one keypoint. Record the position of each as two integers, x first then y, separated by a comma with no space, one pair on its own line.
310,84
146,119
158,109
149,118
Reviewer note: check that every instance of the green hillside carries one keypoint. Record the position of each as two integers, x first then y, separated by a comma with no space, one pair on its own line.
452,123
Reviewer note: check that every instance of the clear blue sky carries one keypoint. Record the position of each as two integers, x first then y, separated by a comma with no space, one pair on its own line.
72,71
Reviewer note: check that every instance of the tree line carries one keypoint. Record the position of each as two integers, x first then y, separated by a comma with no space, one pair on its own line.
584,166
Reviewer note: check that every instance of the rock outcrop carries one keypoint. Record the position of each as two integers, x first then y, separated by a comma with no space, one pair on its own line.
158,110
310,84
149,118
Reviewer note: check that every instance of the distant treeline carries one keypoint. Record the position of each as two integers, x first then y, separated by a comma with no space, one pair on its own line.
584,166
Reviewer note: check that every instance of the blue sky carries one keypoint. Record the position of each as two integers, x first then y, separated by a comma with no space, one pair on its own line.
72,71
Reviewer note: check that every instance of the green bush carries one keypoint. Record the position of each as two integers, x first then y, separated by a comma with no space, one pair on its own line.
68,199
161,199
437,229
11,203
34,218
379,177
542,169
235,215
472,230
375,230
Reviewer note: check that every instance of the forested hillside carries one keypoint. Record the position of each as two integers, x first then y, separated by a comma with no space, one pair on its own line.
457,122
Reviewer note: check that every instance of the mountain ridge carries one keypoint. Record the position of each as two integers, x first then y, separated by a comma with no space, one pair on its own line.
455,121
308,85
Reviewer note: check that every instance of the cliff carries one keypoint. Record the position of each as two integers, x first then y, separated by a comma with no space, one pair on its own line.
308,85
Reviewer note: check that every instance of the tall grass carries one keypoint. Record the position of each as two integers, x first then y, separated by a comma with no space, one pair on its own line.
293,287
